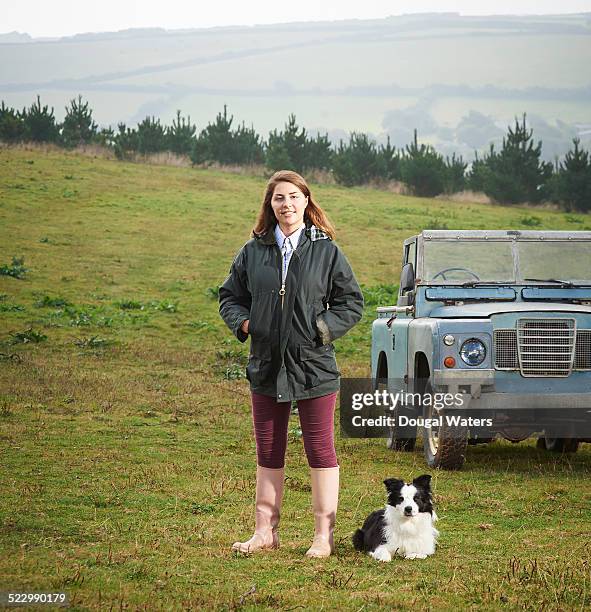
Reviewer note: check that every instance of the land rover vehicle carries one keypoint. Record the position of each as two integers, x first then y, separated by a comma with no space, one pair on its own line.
504,319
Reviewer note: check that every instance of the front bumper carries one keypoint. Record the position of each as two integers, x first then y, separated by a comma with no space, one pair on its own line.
479,386
516,414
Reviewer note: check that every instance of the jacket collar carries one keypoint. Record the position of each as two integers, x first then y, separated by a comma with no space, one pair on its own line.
311,232
294,238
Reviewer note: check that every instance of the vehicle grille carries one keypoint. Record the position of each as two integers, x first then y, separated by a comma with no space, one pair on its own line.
543,347
583,350
546,346
506,349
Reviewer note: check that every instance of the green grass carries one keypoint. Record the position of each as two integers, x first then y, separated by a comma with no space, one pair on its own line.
126,451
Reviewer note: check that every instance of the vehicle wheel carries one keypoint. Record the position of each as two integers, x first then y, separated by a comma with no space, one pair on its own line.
402,438
558,445
399,438
444,446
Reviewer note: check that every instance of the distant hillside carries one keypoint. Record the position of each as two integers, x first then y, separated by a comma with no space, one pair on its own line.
459,80
15,37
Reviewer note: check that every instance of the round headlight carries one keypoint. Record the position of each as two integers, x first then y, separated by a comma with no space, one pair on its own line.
473,352
448,339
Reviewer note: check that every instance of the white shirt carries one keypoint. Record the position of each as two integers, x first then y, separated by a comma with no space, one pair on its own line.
287,244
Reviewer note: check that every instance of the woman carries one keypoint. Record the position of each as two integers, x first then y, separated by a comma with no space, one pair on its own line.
293,292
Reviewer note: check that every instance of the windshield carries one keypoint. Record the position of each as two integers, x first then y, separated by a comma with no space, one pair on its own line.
464,261
569,261
467,260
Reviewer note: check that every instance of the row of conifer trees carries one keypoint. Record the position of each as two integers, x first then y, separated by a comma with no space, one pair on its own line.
513,173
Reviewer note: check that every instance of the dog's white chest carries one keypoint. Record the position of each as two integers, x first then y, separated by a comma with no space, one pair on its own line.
410,537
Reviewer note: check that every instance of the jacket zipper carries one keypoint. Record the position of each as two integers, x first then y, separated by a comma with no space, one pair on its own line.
282,290
282,293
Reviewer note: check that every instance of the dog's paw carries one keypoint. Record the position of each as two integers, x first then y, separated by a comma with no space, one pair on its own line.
415,556
381,554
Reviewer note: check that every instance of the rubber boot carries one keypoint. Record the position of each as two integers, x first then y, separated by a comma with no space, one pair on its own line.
325,499
269,494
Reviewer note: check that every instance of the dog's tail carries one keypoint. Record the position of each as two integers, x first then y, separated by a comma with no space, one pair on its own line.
358,539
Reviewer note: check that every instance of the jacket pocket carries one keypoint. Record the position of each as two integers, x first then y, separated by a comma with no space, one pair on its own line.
314,312
318,364
258,370
261,315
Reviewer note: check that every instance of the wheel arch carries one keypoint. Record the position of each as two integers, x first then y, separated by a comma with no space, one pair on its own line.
382,366
422,371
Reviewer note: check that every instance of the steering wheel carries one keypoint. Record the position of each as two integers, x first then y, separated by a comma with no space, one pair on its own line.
442,273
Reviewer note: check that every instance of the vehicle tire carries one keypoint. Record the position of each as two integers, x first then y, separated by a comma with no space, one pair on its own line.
402,438
399,438
559,445
445,446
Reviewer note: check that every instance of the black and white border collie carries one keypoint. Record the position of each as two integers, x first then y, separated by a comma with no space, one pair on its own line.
405,526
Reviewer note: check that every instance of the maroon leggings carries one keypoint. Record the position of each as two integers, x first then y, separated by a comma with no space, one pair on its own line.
271,418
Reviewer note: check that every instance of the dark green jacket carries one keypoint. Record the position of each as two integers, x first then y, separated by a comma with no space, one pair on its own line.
291,352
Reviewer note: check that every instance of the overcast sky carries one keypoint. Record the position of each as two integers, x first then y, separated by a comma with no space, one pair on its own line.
66,17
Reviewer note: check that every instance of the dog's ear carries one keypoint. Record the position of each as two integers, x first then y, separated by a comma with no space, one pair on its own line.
393,484
423,482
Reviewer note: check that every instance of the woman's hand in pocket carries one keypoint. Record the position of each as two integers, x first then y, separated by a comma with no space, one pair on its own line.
244,326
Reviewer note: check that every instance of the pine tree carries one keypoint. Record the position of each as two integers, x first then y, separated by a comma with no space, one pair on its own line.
78,126
286,150
276,154
219,142
125,141
12,125
318,153
106,137
357,162
516,173
151,136
573,181
455,174
423,169
215,141
40,125
180,135
247,146
478,174
389,161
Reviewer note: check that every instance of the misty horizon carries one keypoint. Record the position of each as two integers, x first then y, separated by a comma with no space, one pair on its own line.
61,20
458,80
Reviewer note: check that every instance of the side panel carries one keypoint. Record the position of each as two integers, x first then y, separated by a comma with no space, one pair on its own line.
393,342
398,354
379,343
422,338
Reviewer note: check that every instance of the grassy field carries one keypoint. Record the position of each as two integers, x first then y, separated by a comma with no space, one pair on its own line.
126,453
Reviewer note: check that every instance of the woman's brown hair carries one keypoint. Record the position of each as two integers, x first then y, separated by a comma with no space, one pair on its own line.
266,219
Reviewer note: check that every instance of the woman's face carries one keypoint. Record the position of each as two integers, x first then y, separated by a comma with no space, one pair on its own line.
288,204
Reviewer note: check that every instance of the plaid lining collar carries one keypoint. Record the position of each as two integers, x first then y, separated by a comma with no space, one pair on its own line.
311,231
